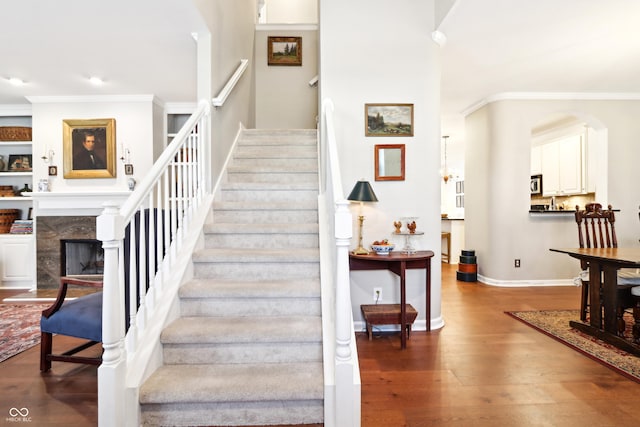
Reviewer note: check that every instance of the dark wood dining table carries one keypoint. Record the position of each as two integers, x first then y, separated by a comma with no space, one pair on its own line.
604,264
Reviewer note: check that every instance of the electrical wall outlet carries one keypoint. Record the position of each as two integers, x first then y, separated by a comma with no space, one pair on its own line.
377,295
516,263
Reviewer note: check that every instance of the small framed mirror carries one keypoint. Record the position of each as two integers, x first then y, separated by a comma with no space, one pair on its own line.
389,162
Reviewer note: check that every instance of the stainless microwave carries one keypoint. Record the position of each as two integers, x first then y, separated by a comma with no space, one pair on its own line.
536,184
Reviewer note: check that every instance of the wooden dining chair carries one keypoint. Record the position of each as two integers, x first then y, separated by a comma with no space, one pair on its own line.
79,317
635,293
596,229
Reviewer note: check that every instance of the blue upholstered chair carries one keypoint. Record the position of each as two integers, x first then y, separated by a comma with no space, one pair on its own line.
80,317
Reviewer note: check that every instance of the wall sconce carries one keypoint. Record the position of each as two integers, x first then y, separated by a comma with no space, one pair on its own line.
126,159
47,157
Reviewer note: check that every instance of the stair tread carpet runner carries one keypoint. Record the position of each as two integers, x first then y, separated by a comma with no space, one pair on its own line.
247,349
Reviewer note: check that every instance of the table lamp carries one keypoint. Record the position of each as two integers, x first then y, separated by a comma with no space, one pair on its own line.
362,192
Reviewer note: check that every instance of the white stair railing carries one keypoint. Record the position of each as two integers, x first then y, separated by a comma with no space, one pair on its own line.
342,372
143,241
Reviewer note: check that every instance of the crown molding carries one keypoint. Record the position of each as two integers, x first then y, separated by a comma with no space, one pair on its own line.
553,96
89,99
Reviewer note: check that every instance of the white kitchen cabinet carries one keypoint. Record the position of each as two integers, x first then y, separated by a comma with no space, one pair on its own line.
594,158
17,260
563,166
536,160
550,169
571,165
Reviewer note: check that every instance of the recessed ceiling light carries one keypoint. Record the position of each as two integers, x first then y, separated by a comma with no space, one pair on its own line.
96,80
16,81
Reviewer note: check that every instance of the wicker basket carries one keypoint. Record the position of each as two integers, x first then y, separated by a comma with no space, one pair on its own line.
15,133
7,191
7,216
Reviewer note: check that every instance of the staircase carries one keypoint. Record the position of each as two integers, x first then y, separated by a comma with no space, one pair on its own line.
247,349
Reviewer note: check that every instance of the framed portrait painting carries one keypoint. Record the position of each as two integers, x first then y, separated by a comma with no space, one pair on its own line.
388,119
89,148
284,51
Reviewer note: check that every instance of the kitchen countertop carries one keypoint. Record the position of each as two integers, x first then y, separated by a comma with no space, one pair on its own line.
555,211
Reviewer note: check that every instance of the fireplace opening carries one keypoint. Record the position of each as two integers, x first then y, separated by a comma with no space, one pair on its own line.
81,257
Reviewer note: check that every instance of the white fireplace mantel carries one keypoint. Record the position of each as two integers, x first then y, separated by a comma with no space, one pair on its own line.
74,203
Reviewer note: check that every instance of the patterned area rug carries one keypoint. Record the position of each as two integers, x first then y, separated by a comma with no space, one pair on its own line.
19,328
555,323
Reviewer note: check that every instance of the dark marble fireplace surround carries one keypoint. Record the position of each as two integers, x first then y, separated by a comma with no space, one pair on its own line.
50,230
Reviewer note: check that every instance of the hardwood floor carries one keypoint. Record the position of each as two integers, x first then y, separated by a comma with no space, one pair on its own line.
482,369
485,369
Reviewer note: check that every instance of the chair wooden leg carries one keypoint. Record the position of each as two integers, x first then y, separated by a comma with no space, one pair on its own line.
46,346
620,321
584,301
636,323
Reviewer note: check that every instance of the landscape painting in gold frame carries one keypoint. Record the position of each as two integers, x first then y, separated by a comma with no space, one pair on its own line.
388,119
284,51
89,148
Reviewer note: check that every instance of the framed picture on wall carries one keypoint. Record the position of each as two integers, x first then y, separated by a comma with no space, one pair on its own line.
284,51
388,119
389,162
20,163
89,148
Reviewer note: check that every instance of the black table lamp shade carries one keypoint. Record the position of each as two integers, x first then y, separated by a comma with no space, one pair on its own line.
362,192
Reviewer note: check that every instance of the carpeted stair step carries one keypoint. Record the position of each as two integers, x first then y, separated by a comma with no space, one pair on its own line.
262,152
270,165
214,288
257,264
277,137
243,236
266,212
251,298
269,191
234,394
255,339
250,176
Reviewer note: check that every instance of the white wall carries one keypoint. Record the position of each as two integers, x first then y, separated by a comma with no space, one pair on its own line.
284,99
134,130
363,64
231,25
497,222
291,11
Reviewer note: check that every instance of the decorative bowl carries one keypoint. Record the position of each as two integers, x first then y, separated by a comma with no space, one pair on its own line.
383,249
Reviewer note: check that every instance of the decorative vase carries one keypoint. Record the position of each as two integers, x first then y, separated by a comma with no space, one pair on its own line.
24,189
3,164
43,185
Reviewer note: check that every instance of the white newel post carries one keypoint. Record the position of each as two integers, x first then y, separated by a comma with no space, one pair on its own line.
111,373
344,362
